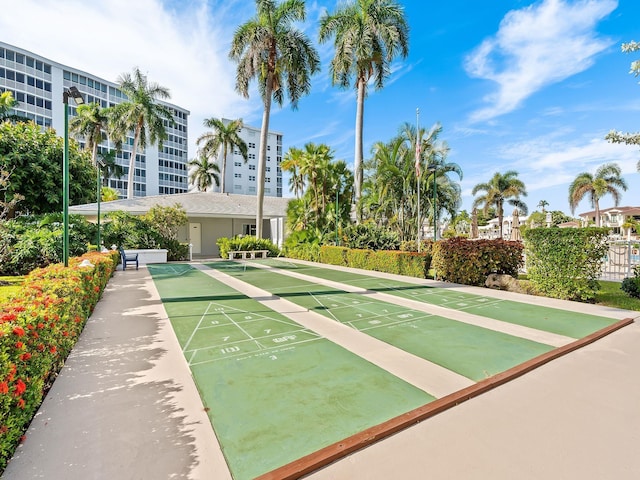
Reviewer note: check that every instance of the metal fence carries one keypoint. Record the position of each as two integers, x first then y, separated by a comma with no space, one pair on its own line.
622,257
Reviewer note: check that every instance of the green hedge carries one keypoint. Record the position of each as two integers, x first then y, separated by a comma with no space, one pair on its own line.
247,243
389,261
38,329
566,262
469,262
333,255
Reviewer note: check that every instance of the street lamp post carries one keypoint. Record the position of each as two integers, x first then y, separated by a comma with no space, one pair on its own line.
337,210
432,169
74,93
99,164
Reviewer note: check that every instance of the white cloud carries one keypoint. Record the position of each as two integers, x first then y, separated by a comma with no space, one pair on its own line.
542,44
180,49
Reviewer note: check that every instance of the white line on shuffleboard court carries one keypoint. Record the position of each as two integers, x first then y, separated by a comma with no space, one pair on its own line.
325,308
196,329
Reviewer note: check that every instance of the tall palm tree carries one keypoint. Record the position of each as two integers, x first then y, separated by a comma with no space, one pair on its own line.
223,137
280,57
91,122
501,188
205,173
292,163
606,180
141,114
368,35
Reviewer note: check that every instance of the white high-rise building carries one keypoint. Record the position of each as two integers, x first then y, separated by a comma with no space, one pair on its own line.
241,176
38,84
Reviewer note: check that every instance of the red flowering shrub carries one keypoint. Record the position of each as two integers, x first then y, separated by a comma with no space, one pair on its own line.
38,329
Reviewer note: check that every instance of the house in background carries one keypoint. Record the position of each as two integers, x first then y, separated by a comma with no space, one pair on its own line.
615,218
211,216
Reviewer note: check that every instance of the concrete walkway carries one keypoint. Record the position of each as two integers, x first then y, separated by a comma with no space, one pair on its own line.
125,407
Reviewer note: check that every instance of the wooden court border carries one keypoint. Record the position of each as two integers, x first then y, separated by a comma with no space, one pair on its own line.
325,456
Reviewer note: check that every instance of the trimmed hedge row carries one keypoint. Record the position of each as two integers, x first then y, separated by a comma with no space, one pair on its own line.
469,262
412,264
38,329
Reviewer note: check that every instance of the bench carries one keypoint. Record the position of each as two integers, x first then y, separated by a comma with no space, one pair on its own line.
128,258
251,254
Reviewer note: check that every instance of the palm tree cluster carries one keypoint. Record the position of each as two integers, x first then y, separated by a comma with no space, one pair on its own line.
323,187
140,113
367,34
391,183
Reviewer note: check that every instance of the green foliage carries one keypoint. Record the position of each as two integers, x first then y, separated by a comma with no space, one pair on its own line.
389,261
32,241
470,261
631,286
370,236
34,158
303,245
566,262
38,329
166,220
246,243
130,231
426,246
333,255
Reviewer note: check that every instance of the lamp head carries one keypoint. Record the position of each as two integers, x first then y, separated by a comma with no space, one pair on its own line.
74,93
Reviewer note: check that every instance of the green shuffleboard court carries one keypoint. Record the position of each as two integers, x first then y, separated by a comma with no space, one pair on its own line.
553,320
274,390
469,350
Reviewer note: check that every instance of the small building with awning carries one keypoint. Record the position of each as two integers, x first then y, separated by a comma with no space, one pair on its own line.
211,216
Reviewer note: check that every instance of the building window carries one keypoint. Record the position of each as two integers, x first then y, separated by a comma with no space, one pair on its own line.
249,229
267,180
237,175
252,167
237,164
252,178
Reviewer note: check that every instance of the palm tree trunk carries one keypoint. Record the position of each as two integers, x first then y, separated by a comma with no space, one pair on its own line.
224,167
357,163
500,218
132,162
597,205
94,154
262,155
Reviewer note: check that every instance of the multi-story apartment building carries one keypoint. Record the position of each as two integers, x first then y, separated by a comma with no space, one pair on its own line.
241,176
38,83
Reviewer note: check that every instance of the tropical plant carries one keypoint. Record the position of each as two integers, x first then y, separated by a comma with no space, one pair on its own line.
607,179
7,103
501,188
391,185
204,174
91,122
108,194
34,158
368,35
628,138
281,58
224,137
292,163
142,114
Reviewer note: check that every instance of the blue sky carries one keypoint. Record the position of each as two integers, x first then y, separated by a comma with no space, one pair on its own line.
516,84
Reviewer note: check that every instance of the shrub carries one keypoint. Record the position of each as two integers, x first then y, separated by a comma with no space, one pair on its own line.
333,255
303,245
631,286
371,237
38,329
246,243
566,262
412,264
426,246
470,261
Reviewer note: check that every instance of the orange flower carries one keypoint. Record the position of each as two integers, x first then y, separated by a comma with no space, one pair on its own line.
19,388
19,331
4,387
25,356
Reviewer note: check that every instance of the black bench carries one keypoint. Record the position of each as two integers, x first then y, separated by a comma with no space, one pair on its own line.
131,258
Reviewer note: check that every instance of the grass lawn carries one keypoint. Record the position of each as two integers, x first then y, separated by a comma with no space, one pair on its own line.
14,284
611,295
